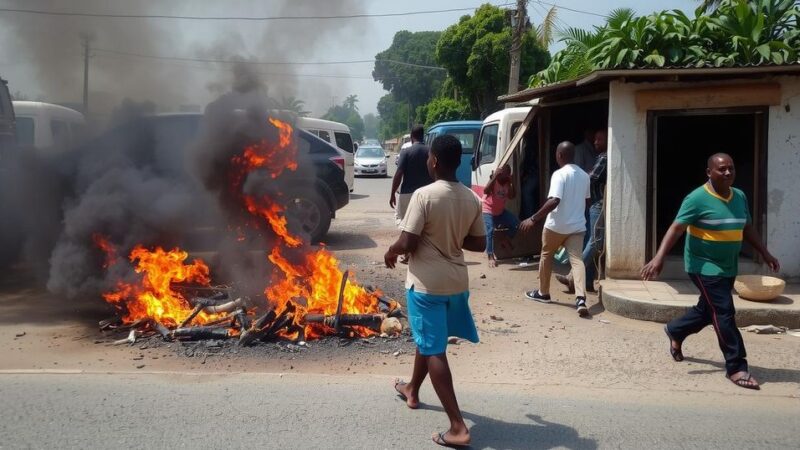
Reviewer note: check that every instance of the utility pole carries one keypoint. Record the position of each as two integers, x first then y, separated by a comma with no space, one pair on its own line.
86,38
519,22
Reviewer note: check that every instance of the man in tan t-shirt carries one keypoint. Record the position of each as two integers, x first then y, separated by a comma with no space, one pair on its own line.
442,219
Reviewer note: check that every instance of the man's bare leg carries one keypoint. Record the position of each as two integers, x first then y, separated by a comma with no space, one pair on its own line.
411,389
442,381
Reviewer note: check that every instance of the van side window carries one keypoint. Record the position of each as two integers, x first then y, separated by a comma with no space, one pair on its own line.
344,141
314,132
488,145
324,135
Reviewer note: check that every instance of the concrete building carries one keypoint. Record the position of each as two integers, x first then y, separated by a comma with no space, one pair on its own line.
662,126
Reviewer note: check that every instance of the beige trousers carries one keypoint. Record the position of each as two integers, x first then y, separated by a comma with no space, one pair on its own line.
400,207
551,241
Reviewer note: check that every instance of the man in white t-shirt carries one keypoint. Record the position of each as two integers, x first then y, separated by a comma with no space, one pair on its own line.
565,225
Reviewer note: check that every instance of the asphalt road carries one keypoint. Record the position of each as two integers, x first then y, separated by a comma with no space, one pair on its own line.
314,411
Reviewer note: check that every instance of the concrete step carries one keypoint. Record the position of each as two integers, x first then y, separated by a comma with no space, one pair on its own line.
662,301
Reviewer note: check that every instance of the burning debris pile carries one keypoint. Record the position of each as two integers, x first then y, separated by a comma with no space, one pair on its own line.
305,297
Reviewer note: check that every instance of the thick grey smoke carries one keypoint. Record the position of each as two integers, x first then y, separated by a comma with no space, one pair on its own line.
51,45
130,184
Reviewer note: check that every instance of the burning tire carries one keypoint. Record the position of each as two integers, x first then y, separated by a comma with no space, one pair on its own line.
308,211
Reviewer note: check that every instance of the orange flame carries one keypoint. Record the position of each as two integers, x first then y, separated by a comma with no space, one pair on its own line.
153,296
108,249
317,280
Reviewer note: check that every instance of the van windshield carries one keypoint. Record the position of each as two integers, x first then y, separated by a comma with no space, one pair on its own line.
25,129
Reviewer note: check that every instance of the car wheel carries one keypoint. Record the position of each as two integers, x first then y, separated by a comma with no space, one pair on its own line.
306,210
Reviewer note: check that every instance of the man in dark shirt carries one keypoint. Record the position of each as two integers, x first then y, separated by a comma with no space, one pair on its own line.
596,229
412,171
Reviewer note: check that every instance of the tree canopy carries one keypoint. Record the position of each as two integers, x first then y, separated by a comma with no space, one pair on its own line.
396,68
735,32
475,52
347,113
395,117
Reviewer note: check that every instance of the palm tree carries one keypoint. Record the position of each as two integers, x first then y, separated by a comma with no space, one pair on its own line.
544,32
293,104
707,6
350,102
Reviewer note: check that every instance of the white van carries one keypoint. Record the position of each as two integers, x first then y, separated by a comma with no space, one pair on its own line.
497,131
338,134
47,127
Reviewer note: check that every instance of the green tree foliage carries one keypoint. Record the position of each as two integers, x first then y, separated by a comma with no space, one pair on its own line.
292,104
442,109
347,113
407,82
475,52
395,117
736,32
371,126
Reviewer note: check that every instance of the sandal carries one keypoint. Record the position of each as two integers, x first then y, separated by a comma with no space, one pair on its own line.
746,381
677,353
440,440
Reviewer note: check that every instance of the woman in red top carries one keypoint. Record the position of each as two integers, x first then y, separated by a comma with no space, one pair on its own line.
498,190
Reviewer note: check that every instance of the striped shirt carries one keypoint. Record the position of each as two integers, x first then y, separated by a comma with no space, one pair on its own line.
715,231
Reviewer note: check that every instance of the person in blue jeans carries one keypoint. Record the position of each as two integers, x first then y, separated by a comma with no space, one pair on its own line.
498,190
596,230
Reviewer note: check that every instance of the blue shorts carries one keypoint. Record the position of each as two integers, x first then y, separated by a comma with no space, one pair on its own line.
434,318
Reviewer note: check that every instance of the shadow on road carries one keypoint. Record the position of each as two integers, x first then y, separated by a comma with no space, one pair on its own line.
358,196
762,374
349,241
533,434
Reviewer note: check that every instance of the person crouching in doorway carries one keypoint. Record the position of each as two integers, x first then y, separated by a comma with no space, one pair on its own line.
498,190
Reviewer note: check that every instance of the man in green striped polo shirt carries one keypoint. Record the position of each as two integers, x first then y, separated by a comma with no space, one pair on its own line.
716,219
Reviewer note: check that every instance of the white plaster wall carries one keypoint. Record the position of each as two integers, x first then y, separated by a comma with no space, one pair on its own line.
783,189
626,204
627,179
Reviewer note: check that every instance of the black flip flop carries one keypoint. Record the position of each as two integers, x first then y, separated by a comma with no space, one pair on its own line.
440,440
677,354
743,382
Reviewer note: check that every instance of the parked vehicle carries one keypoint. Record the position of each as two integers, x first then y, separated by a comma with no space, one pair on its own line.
370,160
497,131
466,131
372,142
337,134
47,127
317,190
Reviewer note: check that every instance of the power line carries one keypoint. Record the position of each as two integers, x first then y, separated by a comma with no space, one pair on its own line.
242,18
275,74
566,8
285,63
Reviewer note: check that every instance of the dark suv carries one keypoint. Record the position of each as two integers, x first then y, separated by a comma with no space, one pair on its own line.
312,193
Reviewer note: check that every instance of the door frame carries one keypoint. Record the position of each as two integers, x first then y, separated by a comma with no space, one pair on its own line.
760,146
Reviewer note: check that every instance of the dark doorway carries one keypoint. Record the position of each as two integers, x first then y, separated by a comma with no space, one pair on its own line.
682,141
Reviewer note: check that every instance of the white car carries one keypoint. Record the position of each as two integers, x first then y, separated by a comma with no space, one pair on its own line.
370,160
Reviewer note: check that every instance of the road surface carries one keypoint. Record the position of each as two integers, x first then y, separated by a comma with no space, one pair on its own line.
315,411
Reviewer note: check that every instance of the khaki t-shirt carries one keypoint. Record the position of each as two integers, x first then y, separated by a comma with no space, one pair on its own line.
442,214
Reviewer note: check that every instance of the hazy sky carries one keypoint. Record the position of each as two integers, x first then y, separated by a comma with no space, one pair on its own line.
53,69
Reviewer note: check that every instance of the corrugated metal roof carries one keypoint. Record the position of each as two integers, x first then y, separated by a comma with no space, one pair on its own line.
610,74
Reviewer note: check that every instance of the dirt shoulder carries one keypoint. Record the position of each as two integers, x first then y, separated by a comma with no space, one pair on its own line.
525,343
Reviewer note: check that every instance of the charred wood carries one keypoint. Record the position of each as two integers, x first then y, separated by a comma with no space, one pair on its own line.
195,333
349,320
